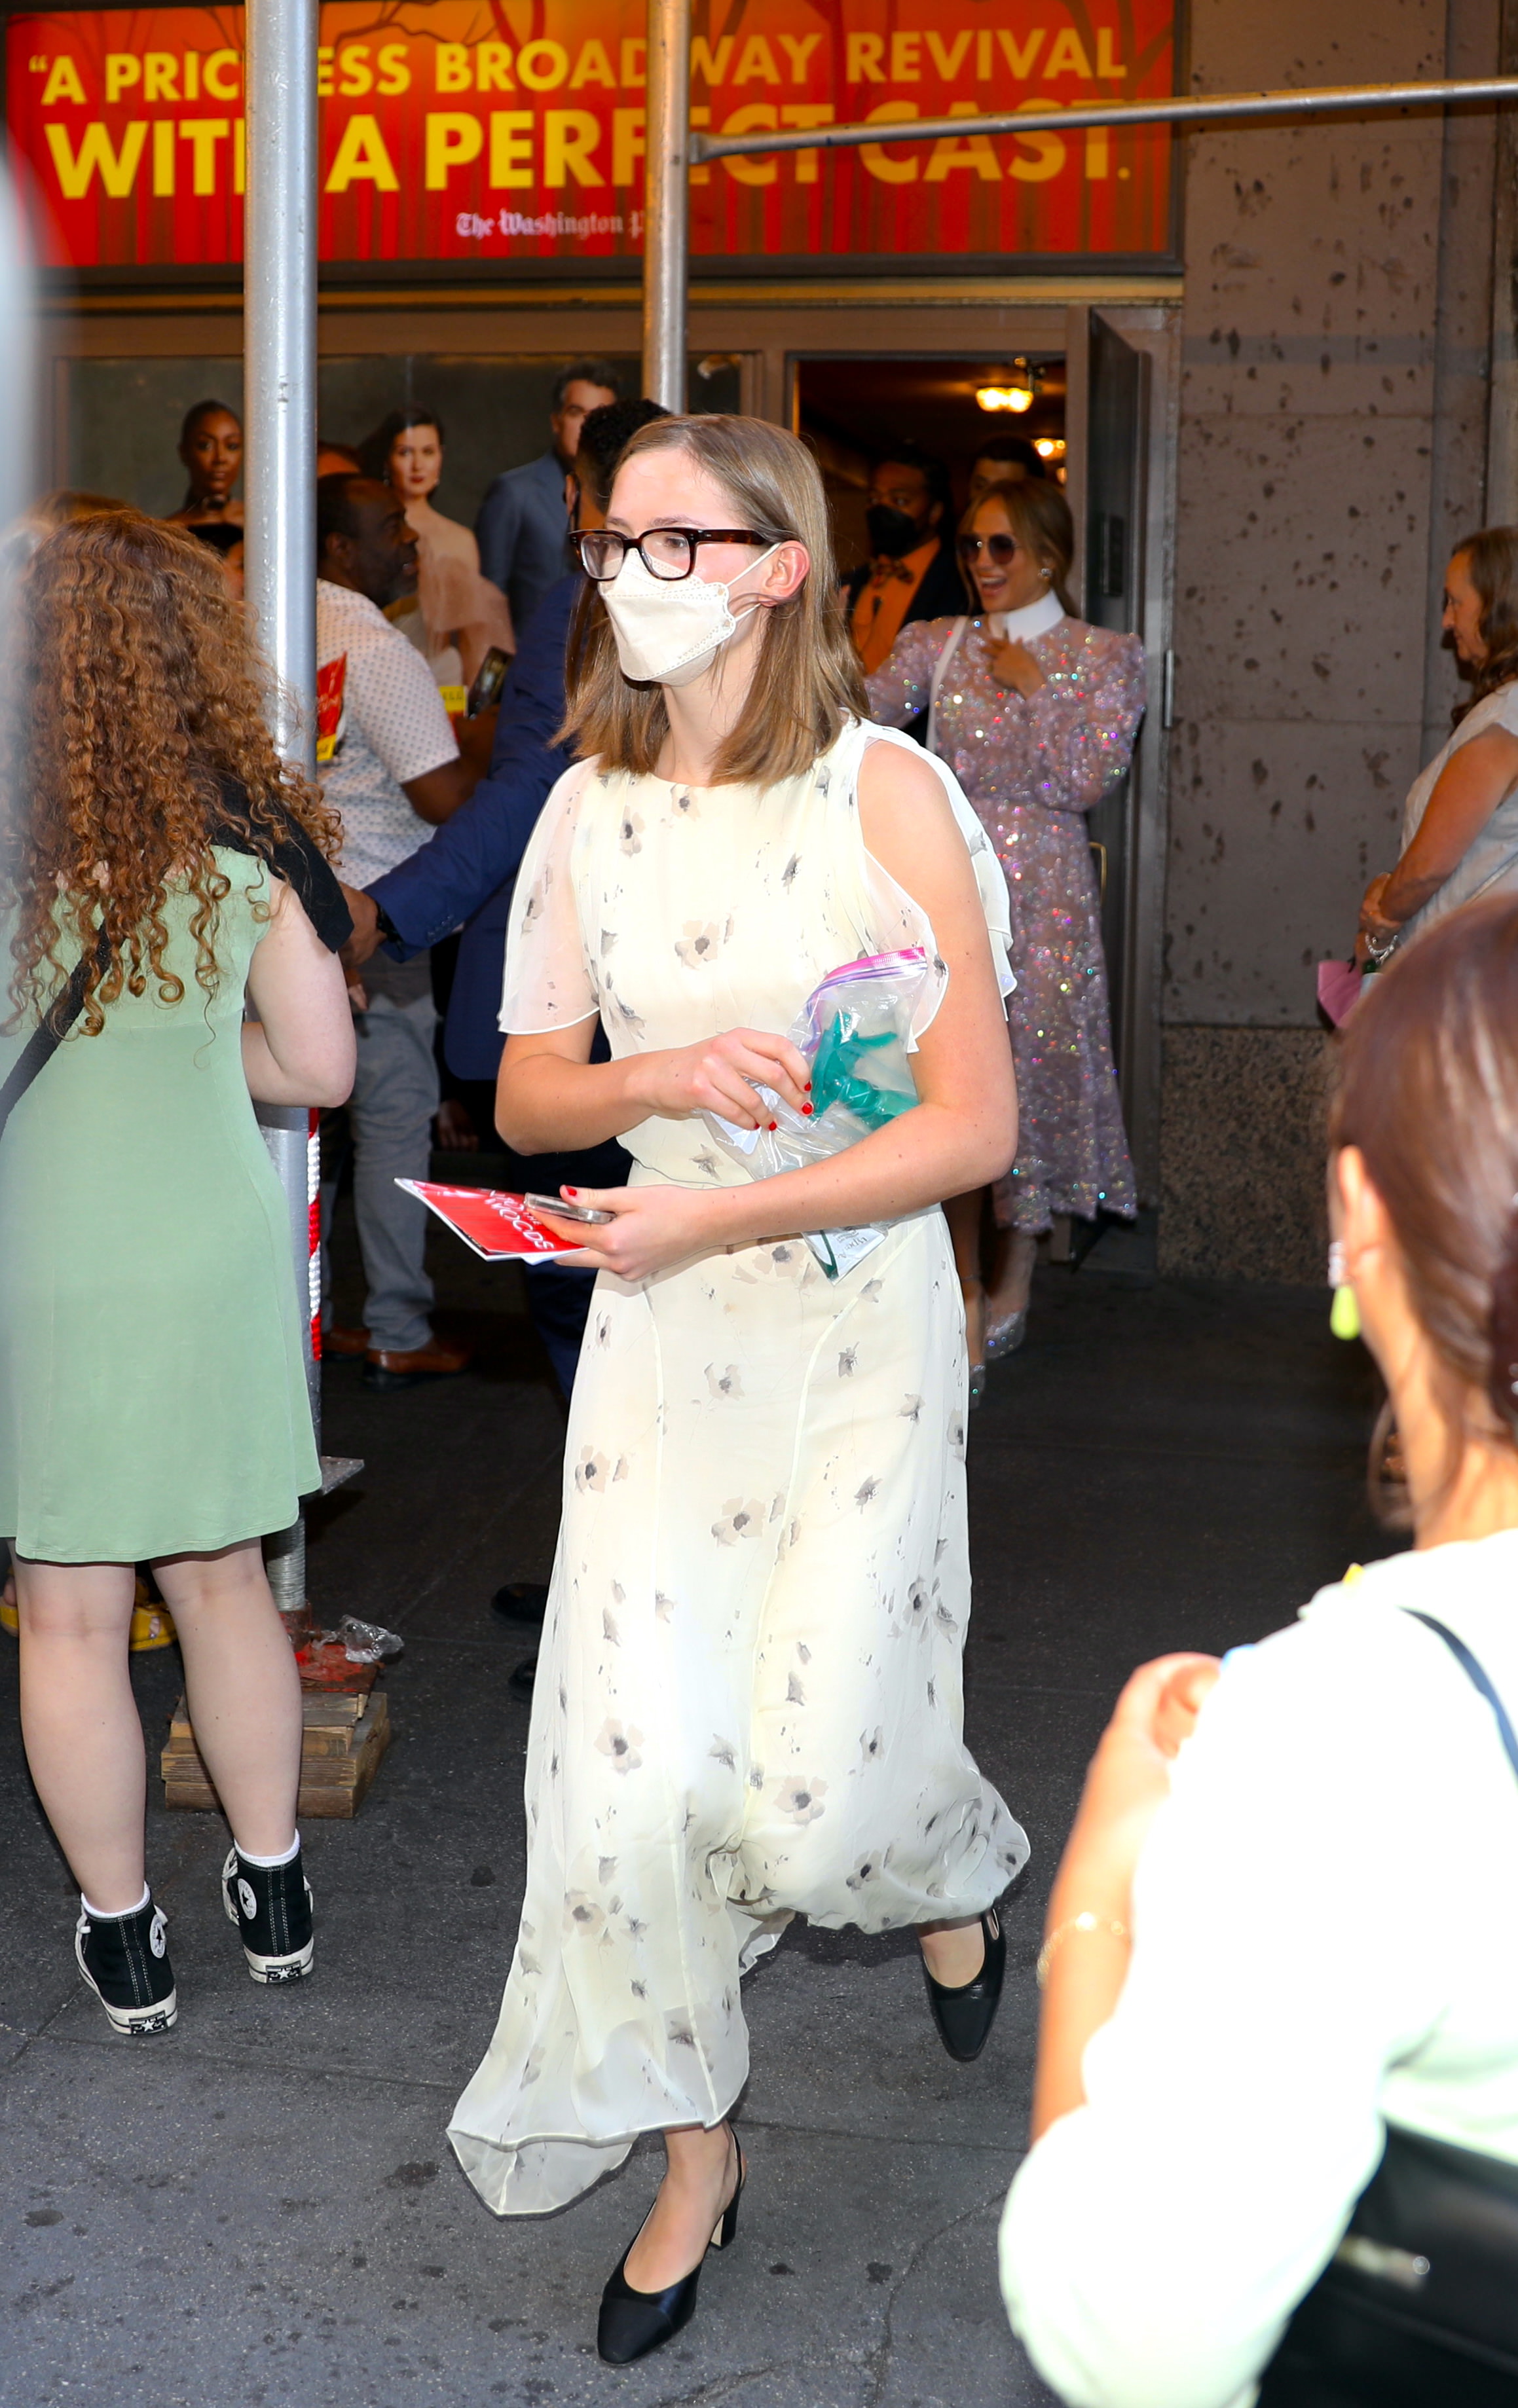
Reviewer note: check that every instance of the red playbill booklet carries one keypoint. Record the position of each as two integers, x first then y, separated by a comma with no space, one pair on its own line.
497,1226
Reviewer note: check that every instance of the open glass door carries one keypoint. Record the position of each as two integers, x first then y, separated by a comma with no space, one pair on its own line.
1113,599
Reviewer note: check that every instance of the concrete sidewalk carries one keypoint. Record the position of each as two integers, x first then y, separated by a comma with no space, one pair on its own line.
261,2207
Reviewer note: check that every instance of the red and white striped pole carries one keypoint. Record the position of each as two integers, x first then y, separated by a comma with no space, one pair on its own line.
313,1262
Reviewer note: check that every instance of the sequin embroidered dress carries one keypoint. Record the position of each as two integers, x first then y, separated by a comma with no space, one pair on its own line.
748,1699
1032,769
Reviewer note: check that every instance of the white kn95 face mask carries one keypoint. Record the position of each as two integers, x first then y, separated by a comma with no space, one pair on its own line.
669,629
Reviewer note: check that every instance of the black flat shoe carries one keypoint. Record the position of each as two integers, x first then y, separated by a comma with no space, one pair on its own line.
521,1601
633,2324
965,2015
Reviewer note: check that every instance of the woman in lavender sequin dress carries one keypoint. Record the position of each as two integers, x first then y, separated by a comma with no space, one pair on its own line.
1035,713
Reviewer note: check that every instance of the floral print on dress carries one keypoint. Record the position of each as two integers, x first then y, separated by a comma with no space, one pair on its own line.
700,941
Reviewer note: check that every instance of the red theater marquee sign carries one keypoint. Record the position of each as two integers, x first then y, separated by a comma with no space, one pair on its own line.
511,130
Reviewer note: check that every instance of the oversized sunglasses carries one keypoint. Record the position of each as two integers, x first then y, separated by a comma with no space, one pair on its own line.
667,553
1002,548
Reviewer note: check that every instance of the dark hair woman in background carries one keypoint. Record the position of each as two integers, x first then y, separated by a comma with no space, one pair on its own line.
1279,1940
456,614
1035,713
211,447
1460,822
157,864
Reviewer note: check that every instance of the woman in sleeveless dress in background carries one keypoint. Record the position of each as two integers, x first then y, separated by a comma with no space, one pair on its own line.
1037,714
456,614
748,1704
1460,822
153,1390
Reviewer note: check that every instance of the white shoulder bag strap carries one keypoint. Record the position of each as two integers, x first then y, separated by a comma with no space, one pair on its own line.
939,666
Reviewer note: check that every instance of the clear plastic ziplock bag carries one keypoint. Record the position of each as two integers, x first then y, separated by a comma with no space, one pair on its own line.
855,1030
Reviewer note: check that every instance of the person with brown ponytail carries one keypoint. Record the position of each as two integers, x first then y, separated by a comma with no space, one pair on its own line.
158,865
1281,1960
1460,822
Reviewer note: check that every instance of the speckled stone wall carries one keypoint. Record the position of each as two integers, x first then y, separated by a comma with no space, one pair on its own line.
1241,1153
1331,446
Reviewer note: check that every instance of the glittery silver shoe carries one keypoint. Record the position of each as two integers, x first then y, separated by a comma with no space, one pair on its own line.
1003,1337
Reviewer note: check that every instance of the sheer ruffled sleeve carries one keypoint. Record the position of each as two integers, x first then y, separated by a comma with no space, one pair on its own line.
899,687
899,921
549,983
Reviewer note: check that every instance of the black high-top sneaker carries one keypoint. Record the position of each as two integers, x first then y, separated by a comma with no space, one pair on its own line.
270,1905
124,1958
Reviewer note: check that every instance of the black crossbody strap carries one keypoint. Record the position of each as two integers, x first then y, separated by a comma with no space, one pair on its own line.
1475,1671
52,1028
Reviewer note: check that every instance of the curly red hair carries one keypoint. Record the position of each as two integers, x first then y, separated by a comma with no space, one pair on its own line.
135,699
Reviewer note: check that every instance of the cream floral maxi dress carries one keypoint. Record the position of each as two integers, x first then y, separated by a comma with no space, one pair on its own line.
748,1699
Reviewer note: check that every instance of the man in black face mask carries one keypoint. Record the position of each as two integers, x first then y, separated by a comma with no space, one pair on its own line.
913,573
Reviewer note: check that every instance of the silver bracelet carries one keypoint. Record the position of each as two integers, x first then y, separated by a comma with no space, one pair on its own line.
1083,1922
1381,949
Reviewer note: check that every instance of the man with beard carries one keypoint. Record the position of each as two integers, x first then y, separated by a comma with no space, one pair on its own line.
913,572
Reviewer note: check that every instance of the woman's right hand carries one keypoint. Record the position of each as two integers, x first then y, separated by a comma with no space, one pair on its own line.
1372,924
720,1075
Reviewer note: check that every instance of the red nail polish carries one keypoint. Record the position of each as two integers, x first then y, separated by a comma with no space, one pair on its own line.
809,1086
775,1124
806,1107
569,1191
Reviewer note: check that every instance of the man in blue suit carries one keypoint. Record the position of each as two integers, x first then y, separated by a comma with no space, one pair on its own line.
520,529
464,877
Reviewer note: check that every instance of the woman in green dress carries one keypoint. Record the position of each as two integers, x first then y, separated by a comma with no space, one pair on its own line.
153,1391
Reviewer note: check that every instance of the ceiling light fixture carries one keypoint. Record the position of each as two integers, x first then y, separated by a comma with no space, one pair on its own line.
1049,447
1008,388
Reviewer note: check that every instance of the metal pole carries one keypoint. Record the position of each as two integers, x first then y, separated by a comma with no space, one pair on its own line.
279,281
1339,100
668,202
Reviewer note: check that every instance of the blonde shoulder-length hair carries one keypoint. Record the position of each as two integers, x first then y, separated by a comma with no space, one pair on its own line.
806,682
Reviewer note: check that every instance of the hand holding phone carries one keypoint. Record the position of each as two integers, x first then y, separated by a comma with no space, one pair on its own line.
568,1211
488,683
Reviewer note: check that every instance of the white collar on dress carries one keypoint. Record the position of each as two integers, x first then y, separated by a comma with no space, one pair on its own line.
1034,619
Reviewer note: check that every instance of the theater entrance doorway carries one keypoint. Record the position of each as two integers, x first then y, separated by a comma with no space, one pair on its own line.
1098,411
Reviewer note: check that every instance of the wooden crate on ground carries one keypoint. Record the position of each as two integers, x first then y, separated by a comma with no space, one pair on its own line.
347,1730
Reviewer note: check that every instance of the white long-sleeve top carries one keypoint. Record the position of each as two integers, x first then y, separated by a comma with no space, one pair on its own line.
1326,1940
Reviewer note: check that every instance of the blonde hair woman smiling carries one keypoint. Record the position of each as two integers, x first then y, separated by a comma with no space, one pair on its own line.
748,1702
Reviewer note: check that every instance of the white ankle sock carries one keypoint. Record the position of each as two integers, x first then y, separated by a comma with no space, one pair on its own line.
118,1913
286,1855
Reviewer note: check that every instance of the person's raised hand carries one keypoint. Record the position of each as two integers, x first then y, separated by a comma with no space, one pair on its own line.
1373,921
1181,1701
1013,665
720,1075
1128,1781
365,913
652,1229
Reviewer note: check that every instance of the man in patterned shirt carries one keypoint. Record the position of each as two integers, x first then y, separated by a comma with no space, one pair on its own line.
390,764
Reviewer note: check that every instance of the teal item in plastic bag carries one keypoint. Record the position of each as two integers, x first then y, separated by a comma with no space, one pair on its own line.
840,1074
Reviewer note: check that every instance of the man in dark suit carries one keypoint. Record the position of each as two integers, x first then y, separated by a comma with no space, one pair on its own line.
520,528
914,569
467,873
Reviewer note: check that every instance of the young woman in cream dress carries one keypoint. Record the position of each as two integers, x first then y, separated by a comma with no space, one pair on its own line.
748,1703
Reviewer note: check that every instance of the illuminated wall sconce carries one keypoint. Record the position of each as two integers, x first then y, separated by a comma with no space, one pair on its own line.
1049,447
1008,388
